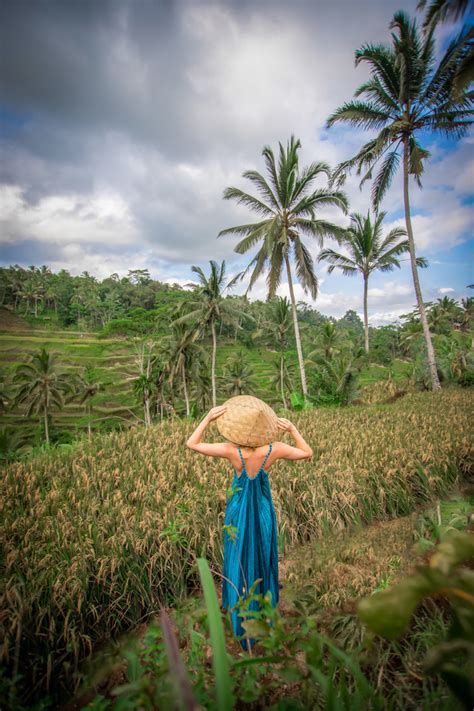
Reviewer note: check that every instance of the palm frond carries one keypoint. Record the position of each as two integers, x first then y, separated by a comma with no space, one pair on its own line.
381,61
305,268
244,198
339,261
263,187
245,244
384,177
365,114
243,229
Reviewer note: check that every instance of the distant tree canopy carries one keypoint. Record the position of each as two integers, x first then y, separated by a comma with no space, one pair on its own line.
137,305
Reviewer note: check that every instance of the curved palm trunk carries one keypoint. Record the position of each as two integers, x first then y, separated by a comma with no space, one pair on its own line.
414,270
185,388
297,330
46,430
213,363
366,314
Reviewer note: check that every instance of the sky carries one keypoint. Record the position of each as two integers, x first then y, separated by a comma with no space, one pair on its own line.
122,122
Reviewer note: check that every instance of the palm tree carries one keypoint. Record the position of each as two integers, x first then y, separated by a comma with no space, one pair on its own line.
280,321
450,308
282,377
144,384
208,307
201,385
337,377
42,386
466,319
238,375
85,389
406,94
329,341
287,203
368,253
182,352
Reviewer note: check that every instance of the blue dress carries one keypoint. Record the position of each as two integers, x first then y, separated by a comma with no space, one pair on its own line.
254,551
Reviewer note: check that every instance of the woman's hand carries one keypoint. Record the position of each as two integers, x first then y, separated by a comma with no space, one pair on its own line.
284,424
215,412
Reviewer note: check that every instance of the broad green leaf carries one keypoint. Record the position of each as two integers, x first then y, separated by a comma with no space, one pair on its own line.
388,612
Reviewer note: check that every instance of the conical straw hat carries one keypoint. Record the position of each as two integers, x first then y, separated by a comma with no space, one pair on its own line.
248,421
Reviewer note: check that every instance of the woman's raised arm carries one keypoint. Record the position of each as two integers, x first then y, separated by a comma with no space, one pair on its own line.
286,451
218,449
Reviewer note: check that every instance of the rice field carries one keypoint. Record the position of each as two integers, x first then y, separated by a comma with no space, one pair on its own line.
98,536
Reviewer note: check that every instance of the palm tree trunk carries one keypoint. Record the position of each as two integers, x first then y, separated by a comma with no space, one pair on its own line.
186,398
297,330
89,412
147,410
366,315
282,382
46,430
213,363
411,242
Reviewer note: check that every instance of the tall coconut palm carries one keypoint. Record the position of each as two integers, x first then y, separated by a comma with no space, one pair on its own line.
287,203
208,307
405,95
42,386
368,252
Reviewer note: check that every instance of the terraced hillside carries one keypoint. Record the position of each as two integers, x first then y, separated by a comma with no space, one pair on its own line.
113,364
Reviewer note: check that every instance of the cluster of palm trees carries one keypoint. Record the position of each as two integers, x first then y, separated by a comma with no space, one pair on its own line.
41,385
407,93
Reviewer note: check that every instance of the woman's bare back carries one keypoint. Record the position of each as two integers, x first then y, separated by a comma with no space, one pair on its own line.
253,459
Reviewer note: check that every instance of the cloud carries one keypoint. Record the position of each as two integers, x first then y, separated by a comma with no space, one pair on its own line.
124,123
445,290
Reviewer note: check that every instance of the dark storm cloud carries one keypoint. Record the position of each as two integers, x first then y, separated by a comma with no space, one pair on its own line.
96,65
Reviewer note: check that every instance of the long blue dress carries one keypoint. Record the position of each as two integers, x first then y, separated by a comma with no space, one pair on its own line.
254,552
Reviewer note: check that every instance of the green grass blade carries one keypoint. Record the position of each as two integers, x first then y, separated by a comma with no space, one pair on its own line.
225,698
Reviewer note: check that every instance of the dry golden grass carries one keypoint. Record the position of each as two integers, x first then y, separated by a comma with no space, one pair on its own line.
345,566
96,538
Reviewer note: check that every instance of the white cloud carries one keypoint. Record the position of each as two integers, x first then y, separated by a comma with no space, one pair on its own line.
102,218
445,290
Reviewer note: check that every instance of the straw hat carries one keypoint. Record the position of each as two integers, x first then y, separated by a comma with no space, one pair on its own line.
248,421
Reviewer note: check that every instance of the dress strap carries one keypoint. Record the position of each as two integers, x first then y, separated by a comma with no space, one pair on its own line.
268,454
241,457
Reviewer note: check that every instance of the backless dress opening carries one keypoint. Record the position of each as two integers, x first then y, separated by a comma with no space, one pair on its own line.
254,552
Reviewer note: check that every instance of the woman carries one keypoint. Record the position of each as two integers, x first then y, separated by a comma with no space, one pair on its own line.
251,547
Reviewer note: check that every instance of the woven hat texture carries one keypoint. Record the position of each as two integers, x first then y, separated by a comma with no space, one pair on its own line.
248,421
